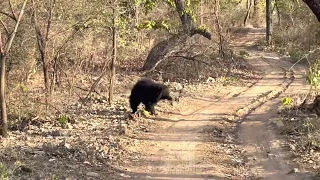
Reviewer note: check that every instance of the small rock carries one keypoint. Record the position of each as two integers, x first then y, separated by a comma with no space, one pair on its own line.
39,152
124,175
237,162
26,169
92,174
86,162
279,124
56,133
68,178
69,126
72,166
293,171
68,146
210,80
177,86
272,155
292,147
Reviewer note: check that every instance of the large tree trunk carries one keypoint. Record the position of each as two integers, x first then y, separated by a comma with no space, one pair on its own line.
164,49
186,19
314,5
268,21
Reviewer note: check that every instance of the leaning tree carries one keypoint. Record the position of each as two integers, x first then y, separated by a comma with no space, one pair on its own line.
167,47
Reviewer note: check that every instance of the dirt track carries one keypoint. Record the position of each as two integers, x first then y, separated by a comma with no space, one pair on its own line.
226,138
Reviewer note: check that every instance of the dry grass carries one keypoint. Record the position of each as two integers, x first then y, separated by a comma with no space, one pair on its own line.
302,129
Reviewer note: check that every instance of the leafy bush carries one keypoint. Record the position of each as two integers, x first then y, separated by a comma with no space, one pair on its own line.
287,101
63,119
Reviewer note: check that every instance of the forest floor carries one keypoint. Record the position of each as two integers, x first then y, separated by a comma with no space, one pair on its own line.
220,132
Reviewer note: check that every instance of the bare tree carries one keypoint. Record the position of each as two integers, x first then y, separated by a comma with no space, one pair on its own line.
249,7
256,12
218,26
114,50
42,42
268,21
4,50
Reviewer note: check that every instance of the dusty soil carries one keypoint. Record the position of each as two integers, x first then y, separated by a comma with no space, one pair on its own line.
216,131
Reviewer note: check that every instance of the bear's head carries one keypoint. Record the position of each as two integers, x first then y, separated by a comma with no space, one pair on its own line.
165,92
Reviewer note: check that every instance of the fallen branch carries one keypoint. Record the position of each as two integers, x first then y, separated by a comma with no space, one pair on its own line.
304,57
83,89
193,58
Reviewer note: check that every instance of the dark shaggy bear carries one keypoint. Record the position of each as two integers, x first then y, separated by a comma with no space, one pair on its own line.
149,93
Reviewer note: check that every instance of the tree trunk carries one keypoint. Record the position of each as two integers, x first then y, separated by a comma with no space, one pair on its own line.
114,51
185,18
246,18
218,25
256,13
278,12
4,119
4,49
201,11
268,21
42,42
314,5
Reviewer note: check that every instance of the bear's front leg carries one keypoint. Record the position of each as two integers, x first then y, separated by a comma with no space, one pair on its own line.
150,108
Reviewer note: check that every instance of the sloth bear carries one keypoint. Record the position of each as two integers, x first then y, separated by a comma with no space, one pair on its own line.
149,93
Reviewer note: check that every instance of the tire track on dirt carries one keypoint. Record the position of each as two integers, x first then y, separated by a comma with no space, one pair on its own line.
200,106
266,157
193,124
245,111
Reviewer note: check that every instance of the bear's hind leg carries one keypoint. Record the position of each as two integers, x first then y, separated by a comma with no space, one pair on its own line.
150,108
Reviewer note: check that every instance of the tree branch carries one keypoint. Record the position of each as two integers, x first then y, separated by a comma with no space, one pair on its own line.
52,4
193,58
38,32
12,11
8,46
9,15
1,46
4,27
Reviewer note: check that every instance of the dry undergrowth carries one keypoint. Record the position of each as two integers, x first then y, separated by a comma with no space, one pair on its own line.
302,129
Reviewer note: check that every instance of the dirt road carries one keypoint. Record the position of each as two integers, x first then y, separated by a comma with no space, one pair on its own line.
225,138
